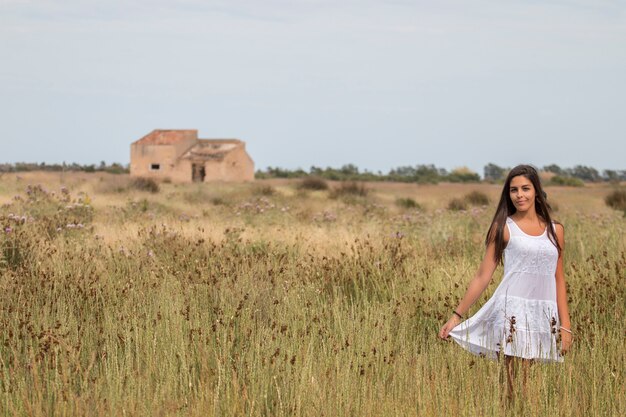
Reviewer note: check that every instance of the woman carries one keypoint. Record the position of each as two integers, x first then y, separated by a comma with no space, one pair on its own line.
528,313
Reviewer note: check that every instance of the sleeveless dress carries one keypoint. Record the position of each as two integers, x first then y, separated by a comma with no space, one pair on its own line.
521,318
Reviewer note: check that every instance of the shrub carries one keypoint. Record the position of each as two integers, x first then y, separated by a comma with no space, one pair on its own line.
313,183
566,181
408,203
617,200
265,190
457,204
477,198
350,189
145,184
463,174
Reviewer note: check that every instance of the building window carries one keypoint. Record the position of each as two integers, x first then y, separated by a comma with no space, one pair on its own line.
155,167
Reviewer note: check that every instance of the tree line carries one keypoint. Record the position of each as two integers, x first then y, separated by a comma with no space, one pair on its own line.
113,168
350,172
431,174
423,174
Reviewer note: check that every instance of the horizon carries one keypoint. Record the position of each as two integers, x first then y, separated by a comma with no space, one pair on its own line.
102,165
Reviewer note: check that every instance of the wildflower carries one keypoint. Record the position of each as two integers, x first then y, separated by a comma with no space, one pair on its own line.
151,254
7,229
512,322
553,325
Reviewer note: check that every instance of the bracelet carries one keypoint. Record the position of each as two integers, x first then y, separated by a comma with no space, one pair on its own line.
457,314
567,330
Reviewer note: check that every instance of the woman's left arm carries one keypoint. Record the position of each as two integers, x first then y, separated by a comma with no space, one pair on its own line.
561,294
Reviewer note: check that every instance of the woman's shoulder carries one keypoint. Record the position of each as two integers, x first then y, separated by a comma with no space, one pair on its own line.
559,231
557,224
495,227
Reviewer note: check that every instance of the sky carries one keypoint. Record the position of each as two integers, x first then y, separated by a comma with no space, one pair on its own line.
375,83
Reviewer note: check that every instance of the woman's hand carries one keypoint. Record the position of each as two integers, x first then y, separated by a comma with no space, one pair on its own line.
451,324
566,341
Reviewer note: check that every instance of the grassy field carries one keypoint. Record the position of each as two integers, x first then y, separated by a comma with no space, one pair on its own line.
265,299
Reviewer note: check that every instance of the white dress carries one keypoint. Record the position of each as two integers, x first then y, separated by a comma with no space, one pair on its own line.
521,318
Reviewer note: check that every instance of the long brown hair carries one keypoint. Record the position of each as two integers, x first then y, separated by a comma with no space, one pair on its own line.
506,208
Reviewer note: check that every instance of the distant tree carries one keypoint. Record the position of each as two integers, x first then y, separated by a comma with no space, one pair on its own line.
429,174
585,173
567,181
610,175
554,168
404,171
349,169
317,171
614,175
493,172
419,173
278,172
463,174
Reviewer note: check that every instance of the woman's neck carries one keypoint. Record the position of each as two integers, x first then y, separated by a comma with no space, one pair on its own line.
528,215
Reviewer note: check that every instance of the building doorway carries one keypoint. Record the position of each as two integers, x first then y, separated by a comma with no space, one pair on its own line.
197,172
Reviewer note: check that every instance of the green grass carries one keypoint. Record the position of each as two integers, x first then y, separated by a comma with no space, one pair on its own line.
250,312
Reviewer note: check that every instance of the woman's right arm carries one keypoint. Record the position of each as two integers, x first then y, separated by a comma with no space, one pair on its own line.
477,286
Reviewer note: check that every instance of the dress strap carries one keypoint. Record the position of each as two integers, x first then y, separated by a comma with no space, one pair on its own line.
512,230
553,224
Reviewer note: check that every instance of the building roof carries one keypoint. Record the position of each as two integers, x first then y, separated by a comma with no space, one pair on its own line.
211,149
166,136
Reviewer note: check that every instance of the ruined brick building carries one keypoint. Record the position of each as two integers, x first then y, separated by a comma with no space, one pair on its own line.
179,156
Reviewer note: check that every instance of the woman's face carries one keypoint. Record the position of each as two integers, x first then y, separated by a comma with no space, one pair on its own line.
522,193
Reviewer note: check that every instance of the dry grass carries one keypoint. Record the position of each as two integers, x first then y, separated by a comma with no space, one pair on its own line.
279,303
